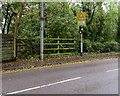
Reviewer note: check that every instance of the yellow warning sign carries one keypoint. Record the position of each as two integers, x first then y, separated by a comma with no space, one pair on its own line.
81,19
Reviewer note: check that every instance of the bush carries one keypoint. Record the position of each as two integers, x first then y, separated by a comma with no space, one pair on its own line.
99,47
111,46
87,46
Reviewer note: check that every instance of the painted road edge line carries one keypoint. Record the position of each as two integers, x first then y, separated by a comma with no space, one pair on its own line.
46,85
54,65
112,70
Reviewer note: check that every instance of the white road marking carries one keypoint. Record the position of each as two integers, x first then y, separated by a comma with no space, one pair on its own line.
112,70
24,90
50,84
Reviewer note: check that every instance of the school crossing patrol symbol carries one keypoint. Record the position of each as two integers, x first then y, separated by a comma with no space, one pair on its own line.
81,19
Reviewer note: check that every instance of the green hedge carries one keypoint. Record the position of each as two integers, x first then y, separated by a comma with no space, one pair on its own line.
110,46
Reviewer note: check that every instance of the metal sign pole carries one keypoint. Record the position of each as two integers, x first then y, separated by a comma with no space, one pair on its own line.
81,51
81,21
42,32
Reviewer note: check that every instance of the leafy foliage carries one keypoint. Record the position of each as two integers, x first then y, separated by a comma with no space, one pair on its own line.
100,33
99,47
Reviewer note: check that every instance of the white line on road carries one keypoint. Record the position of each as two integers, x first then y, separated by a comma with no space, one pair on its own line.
50,84
112,70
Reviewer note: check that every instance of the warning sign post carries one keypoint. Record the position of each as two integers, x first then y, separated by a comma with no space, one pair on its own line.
81,19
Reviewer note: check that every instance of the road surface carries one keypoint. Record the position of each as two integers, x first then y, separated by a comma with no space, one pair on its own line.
96,77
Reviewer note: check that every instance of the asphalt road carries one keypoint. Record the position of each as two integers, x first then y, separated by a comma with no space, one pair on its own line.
97,77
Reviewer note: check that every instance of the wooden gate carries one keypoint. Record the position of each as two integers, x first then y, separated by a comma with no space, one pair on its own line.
52,46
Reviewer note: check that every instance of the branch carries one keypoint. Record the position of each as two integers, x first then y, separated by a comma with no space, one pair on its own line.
8,27
21,10
74,12
83,7
92,15
12,9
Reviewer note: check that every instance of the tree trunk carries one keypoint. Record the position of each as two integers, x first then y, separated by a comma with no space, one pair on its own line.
6,18
8,27
17,23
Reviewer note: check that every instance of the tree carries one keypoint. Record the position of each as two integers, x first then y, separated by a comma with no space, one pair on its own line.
111,22
7,18
17,16
60,20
